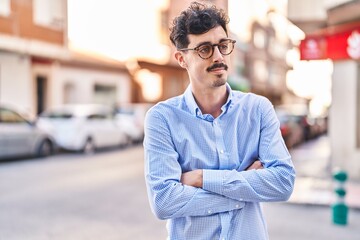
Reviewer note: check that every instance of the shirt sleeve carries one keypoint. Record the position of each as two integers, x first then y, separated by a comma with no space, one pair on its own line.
273,183
168,197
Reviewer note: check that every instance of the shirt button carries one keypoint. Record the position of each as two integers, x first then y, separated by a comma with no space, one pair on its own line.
209,211
221,151
237,205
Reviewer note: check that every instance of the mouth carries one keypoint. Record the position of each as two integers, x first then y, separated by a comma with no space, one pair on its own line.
217,70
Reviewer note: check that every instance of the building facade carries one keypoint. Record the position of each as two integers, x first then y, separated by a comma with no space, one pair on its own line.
37,69
333,32
266,62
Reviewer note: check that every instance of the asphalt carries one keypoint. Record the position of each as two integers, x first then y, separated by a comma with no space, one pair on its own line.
314,183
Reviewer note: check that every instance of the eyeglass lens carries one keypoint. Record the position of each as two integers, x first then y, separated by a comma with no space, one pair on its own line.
206,51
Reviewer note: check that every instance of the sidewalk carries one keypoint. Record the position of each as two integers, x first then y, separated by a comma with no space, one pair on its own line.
314,184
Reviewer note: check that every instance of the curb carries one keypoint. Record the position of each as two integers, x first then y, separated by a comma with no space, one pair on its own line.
320,192
315,204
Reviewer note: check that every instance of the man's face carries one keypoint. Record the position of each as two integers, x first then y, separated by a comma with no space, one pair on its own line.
206,73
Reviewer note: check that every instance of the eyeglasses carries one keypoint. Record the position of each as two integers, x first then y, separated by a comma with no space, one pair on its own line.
205,51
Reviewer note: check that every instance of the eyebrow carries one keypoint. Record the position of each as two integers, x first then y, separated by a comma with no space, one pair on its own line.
207,42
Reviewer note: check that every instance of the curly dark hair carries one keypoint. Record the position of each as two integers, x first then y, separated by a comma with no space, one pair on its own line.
197,19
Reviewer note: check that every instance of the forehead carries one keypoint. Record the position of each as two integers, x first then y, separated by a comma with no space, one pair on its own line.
214,35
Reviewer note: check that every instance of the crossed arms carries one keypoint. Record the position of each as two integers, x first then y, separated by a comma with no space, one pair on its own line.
195,177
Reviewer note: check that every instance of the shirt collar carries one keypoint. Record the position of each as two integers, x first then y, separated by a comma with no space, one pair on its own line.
194,108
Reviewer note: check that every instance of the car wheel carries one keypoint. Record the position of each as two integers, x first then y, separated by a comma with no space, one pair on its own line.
89,147
45,149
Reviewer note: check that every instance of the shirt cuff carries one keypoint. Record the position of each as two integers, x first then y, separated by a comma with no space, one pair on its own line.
213,180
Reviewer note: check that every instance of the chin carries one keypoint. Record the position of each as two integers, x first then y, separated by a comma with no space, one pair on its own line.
219,82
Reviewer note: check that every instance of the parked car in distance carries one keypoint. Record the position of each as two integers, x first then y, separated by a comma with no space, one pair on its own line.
83,127
131,117
20,137
298,125
291,128
128,122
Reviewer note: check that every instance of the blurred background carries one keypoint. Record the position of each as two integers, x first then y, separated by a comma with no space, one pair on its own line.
77,77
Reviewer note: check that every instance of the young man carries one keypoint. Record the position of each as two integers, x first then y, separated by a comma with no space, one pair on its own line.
213,154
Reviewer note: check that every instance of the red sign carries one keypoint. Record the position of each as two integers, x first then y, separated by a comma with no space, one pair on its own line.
313,48
332,43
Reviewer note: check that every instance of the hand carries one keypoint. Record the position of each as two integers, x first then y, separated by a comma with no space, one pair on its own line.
193,178
255,165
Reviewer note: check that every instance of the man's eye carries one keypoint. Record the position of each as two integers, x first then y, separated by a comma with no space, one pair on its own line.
205,49
224,46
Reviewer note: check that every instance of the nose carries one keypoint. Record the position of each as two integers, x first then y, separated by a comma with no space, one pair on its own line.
217,56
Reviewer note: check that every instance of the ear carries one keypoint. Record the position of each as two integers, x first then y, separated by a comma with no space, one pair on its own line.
180,59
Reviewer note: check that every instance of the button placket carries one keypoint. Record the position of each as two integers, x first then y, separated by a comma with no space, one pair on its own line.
220,146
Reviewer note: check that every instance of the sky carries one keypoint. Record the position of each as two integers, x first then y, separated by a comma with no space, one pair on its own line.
116,31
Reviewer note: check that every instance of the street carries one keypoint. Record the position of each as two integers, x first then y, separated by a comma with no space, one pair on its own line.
103,196
75,197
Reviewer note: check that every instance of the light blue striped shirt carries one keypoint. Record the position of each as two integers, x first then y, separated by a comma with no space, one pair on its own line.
179,138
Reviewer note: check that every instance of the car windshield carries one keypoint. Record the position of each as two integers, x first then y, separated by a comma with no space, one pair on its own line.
57,115
125,111
8,116
75,111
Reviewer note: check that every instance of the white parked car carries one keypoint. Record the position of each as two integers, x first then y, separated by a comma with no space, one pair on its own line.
20,137
130,124
83,127
130,117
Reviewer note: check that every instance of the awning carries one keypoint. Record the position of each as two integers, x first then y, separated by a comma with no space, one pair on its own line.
337,42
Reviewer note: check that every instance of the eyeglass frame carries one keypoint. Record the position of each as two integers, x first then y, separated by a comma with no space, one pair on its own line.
212,47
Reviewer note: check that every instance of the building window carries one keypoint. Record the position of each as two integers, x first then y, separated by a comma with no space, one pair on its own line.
105,94
5,8
70,93
277,49
49,13
260,71
259,39
275,76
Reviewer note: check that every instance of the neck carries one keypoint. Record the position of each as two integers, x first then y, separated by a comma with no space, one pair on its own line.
211,101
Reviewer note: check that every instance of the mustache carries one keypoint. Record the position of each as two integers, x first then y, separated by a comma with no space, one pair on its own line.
217,65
